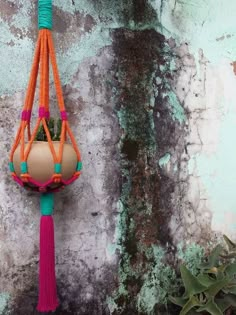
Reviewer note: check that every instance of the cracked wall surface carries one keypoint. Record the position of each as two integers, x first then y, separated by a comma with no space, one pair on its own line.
149,86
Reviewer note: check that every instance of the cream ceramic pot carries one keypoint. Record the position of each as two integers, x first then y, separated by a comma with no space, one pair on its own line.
40,161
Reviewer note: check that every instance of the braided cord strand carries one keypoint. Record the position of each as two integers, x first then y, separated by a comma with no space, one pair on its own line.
58,92
57,81
29,98
42,91
61,99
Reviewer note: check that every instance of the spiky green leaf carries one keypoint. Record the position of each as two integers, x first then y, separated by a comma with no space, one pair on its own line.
231,298
231,270
58,132
178,300
192,302
231,288
51,124
211,308
41,135
191,283
213,258
223,304
206,280
216,287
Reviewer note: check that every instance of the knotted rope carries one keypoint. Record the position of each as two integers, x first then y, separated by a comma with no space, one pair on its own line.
44,56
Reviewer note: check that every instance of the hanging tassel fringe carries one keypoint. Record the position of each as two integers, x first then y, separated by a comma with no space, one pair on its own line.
47,279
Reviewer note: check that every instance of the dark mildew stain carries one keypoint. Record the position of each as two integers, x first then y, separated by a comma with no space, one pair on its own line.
130,149
148,130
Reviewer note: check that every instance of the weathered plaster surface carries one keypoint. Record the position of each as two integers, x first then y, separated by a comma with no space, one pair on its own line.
149,87
205,85
85,212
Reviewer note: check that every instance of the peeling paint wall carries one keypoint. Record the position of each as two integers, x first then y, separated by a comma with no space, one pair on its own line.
150,90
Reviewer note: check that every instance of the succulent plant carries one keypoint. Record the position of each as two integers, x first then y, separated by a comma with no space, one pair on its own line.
55,133
58,130
213,290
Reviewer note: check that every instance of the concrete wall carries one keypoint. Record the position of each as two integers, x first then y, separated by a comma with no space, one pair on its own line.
150,90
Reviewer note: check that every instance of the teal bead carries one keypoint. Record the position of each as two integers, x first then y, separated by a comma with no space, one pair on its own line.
57,168
46,203
79,166
11,167
24,168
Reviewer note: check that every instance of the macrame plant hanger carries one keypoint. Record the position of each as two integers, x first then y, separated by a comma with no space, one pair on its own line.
25,148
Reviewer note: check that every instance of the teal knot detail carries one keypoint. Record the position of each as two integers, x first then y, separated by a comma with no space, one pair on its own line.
46,203
45,14
57,168
11,167
24,168
79,166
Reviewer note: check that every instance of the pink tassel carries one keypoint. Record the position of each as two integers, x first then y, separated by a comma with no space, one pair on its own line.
47,280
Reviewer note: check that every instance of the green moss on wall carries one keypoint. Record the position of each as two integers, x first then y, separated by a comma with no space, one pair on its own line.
4,300
141,58
164,160
192,255
159,282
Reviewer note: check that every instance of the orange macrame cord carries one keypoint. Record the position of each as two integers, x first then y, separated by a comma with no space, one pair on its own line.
44,53
22,159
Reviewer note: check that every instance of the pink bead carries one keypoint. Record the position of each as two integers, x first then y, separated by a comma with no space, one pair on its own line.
64,115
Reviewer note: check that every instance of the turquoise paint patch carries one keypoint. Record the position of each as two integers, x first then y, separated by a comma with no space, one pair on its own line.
218,176
4,300
18,57
111,304
164,160
88,46
159,282
198,24
22,17
11,167
191,165
57,168
79,166
24,168
120,226
46,203
172,65
111,249
177,111
192,256
111,14
83,6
